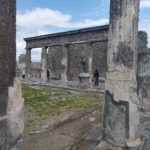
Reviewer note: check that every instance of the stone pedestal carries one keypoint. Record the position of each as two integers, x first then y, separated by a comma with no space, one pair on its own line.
85,77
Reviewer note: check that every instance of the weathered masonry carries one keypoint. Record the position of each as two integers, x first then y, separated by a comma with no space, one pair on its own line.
11,101
62,52
120,112
143,75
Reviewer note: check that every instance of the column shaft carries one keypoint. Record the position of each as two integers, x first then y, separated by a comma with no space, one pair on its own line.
11,101
28,62
64,64
120,113
44,64
90,61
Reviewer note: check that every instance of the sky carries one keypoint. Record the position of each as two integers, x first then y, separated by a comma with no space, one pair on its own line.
39,17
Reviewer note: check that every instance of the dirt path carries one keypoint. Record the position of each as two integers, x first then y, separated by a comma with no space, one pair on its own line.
63,137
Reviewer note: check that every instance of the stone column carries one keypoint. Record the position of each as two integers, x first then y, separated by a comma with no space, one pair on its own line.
90,60
28,63
120,111
11,102
44,64
64,64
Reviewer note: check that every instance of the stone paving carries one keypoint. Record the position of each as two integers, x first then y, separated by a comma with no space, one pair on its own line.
71,85
146,135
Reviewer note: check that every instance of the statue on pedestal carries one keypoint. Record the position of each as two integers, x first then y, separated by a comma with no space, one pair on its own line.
83,64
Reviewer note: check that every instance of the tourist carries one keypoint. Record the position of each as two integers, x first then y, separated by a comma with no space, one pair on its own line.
17,73
23,73
96,76
48,74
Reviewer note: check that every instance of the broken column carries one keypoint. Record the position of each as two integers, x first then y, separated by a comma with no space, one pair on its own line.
120,111
64,64
11,101
28,63
44,64
143,74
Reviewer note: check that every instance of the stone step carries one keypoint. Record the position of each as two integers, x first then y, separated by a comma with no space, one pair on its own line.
106,146
94,135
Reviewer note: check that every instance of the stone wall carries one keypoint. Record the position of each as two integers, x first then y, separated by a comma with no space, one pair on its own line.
143,74
35,67
100,57
54,61
75,53
36,70
66,37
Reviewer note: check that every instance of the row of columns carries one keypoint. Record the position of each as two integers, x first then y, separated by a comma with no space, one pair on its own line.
64,62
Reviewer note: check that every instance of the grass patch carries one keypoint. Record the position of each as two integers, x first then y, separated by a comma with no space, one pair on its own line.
41,104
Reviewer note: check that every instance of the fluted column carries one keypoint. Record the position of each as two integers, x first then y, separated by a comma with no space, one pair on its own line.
64,64
44,64
120,111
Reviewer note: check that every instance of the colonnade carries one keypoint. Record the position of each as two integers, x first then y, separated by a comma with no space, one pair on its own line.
64,61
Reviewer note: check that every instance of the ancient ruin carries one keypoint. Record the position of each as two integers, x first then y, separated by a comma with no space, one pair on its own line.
11,101
64,52
93,48
121,55
120,112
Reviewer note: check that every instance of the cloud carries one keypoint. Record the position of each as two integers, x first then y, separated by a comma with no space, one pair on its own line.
145,4
40,17
41,21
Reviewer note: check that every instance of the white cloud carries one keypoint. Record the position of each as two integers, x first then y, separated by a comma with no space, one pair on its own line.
35,22
39,17
145,3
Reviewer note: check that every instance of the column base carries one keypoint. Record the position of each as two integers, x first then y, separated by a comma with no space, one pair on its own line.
133,144
104,145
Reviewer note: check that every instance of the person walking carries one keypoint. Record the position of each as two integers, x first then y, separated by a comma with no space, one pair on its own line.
48,75
23,73
96,76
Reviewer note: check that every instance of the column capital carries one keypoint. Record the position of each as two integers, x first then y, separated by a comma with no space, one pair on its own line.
28,49
45,47
65,45
89,42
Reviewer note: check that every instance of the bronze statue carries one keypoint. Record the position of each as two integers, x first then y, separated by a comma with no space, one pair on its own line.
83,64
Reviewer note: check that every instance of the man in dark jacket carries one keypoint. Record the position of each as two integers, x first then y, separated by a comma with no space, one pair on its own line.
96,76
48,74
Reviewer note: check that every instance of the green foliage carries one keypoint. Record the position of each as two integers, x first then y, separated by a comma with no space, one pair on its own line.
41,104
